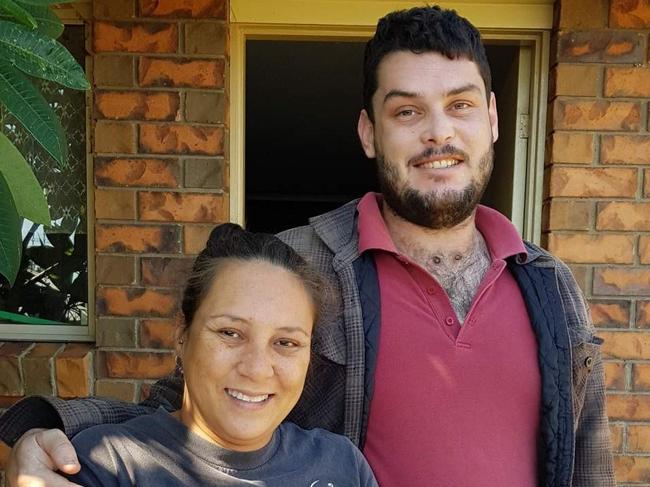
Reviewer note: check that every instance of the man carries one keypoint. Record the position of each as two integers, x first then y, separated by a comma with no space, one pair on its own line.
460,355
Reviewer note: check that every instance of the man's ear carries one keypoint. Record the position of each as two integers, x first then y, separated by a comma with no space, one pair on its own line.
366,131
494,117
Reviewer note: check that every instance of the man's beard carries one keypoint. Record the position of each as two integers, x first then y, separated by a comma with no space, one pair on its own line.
434,209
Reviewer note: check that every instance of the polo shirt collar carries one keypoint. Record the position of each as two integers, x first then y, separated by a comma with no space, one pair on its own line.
499,233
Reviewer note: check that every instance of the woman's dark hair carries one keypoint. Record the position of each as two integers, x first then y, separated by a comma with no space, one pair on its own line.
231,242
419,30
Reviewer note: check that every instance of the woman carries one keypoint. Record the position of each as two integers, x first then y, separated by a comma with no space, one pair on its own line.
249,309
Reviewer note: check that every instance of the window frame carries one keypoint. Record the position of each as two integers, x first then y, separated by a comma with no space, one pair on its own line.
77,13
524,22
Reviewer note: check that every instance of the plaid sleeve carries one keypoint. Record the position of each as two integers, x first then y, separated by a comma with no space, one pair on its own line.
75,415
593,453
593,465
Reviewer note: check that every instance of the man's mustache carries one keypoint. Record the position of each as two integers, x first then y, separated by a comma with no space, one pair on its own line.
445,150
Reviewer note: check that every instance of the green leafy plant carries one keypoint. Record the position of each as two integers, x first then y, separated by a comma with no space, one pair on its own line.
29,49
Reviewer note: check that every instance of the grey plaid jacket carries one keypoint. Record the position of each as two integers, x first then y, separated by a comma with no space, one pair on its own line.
574,442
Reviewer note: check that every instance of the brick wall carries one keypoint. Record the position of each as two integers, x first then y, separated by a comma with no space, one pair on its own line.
598,197
161,175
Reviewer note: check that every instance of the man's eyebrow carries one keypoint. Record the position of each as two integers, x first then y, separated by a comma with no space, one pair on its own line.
400,93
464,89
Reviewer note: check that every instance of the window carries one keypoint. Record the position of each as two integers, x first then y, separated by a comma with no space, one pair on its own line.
49,299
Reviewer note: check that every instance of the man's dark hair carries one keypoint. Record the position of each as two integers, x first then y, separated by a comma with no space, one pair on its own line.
419,30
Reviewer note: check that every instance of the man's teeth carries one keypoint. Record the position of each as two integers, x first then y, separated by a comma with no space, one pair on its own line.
439,164
243,397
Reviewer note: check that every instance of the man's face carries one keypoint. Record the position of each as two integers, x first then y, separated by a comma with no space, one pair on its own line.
432,136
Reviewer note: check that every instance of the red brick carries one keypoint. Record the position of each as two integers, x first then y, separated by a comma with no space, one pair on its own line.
641,377
181,72
579,114
165,272
195,238
115,204
617,215
122,390
205,38
115,269
5,451
625,345
157,334
601,46
135,37
593,182
138,365
572,148
137,172
583,14
622,281
644,249
631,469
113,70
617,435
38,367
632,82
184,8
73,367
633,407
115,332
646,183
181,139
114,137
183,207
137,238
587,248
11,383
136,302
643,314
615,375
567,215
575,80
638,438
610,314
113,9
634,14
625,149
139,105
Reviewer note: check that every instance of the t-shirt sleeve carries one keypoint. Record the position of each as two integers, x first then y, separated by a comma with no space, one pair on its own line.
97,458
366,477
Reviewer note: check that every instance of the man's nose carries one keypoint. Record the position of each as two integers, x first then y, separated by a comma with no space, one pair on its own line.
438,128
256,363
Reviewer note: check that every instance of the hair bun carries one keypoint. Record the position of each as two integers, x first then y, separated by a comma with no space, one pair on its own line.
223,237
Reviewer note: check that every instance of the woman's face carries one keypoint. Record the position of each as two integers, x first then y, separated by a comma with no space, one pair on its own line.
246,354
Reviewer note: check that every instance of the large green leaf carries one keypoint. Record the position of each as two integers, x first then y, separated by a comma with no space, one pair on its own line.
10,234
48,22
40,56
18,13
26,193
26,103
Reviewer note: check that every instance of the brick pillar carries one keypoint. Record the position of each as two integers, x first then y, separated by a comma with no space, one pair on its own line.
159,137
597,203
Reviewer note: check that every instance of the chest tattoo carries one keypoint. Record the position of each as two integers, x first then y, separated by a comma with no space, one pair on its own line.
459,275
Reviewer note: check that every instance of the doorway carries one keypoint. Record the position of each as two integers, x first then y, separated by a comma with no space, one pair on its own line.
303,157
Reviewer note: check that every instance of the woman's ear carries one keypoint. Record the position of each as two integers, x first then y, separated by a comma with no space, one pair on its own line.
180,336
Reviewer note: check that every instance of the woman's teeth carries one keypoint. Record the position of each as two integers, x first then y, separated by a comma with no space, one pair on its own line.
243,397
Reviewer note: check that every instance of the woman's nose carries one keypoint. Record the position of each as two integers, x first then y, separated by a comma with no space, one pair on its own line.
256,363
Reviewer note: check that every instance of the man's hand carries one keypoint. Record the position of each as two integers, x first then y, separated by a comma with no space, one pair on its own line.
37,456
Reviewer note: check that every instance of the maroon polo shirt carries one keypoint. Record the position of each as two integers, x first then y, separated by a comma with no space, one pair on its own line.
452,405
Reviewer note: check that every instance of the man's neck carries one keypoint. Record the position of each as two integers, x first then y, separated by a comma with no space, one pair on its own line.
457,257
410,238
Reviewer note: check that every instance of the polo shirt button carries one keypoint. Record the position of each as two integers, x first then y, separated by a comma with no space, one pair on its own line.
431,290
589,362
449,321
